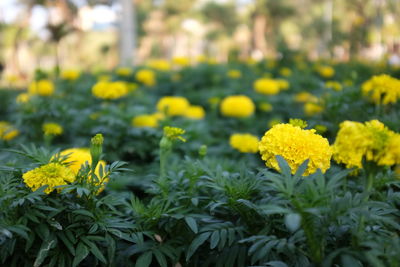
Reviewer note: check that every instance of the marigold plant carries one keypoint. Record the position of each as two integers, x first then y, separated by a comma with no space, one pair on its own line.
239,106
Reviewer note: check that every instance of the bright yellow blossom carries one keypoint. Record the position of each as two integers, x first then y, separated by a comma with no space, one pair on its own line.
123,71
146,76
245,143
70,75
239,106
173,105
195,113
51,128
267,86
7,131
110,90
41,87
382,89
145,120
234,74
23,98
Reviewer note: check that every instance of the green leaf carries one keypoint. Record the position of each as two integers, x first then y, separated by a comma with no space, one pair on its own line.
144,260
284,166
84,213
196,243
44,251
214,239
292,221
67,243
162,261
192,224
94,249
81,253
302,168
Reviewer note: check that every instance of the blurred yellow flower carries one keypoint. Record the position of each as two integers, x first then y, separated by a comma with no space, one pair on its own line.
266,107
326,71
123,71
285,72
181,61
303,97
295,145
146,76
311,109
52,128
52,175
7,131
173,133
145,120
195,113
382,89
333,85
173,105
110,90
70,75
283,84
22,98
266,86
159,64
41,87
234,74
245,143
239,106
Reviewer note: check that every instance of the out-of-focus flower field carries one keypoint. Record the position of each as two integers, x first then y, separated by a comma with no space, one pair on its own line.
197,163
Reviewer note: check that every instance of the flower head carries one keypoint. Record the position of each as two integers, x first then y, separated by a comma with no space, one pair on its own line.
41,87
70,75
52,128
245,143
334,85
195,112
312,109
146,77
173,133
52,175
22,98
326,71
173,105
234,74
285,72
382,89
297,122
239,106
295,145
123,71
145,120
267,86
110,90
7,131
159,64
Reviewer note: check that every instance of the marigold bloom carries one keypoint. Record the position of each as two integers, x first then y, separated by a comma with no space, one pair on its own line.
245,143
267,86
311,109
266,107
234,74
22,98
110,90
173,105
77,157
51,128
283,84
304,97
334,85
285,72
382,89
52,175
146,76
195,113
173,133
41,87
181,61
239,106
70,75
145,120
326,71
295,145
159,64
123,71
7,131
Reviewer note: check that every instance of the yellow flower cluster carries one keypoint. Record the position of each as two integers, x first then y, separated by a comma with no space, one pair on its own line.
335,85
52,175
70,75
77,157
52,128
123,71
195,112
23,98
110,90
326,71
382,89
159,64
295,145
304,97
245,143
146,120
146,77
173,105
239,106
234,74
371,140
41,87
285,72
181,61
7,131
268,86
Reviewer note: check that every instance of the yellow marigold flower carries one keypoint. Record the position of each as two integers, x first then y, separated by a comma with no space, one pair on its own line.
145,121
239,106
41,87
274,122
266,86
295,145
283,84
245,143
123,71
110,90
70,75
311,109
326,71
173,133
266,107
52,175
146,76
7,131
382,89
195,113
304,97
181,61
391,154
173,105
334,85
234,74
22,98
285,72
51,128
159,64
77,157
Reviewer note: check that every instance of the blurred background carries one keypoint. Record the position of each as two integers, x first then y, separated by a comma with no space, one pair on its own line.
102,34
